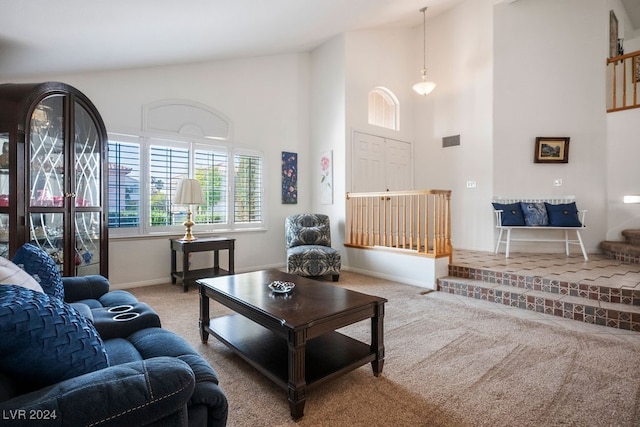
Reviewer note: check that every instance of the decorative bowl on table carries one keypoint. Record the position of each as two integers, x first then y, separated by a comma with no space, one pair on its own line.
281,287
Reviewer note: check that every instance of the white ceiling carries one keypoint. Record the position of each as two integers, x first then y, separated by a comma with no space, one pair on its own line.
45,36
632,7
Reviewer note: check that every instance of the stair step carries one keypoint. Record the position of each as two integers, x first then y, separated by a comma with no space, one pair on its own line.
632,236
621,251
605,313
599,293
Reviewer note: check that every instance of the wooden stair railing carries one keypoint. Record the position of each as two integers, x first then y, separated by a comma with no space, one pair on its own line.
623,81
415,221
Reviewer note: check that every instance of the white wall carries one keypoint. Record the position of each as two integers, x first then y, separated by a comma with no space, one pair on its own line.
550,81
328,128
623,177
267,99
459,60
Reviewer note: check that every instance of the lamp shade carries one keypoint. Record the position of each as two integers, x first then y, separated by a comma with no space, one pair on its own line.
424,87
189,192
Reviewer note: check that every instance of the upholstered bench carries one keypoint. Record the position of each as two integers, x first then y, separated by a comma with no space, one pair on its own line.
545,214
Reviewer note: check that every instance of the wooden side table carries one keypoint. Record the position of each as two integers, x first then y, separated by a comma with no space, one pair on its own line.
206,244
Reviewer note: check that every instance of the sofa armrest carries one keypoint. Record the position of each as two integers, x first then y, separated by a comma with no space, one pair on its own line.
84,287
209,403
135,393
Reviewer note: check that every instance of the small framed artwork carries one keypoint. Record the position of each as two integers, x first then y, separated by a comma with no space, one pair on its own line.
326,177
289,178
636,67
613,35
551,150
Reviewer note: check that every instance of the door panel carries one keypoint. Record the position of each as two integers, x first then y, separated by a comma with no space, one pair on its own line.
380,164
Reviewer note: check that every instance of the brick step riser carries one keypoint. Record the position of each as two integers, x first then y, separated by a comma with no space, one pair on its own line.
580,312
535,283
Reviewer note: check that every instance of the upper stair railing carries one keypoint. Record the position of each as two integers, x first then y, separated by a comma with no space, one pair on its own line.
416,221
623,81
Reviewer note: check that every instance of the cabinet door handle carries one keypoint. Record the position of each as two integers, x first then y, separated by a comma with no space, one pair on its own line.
69,194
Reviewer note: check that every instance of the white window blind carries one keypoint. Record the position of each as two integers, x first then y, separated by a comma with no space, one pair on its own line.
211,171
247,189
124,184
167,166
161,164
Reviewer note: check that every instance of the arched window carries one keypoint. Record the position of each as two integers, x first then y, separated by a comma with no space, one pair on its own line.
384,109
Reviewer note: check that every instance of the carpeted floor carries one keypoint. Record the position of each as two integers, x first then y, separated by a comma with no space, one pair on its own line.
447,364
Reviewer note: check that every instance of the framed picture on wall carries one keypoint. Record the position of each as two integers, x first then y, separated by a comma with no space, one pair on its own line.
326,177
289,178
551,150
613,35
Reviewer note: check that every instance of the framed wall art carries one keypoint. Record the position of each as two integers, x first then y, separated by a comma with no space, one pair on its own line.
551,150
326,177
613,35
289,178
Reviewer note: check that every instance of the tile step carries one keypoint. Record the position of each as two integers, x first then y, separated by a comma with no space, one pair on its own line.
592,292
588,310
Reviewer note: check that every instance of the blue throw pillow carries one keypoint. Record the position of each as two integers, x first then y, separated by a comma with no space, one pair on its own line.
511,213
42,267
535,214
45,340
563,215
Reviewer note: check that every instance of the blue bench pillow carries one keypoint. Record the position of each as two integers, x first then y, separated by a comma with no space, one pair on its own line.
511,213
535,214
563,215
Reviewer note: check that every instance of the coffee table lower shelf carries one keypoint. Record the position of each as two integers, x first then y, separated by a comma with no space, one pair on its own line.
326,356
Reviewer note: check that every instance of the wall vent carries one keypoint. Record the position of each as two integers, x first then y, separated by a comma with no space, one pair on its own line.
450,141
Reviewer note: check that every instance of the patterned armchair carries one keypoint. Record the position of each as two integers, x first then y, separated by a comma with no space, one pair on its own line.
308,242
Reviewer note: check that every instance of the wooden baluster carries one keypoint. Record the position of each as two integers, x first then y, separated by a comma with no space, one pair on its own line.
635,61
615,86
404,222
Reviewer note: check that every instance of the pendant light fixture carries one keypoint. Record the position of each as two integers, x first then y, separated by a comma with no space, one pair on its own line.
425,86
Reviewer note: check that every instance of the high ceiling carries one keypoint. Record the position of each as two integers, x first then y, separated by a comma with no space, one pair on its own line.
44,36
632,7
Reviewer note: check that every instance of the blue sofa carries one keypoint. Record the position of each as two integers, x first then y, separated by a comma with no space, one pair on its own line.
58,368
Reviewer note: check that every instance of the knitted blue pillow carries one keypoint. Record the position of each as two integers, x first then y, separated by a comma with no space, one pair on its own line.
42,267
45,340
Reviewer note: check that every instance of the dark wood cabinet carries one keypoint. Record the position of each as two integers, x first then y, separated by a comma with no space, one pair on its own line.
53,176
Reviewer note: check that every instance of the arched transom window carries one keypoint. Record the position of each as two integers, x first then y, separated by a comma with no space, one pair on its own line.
384,109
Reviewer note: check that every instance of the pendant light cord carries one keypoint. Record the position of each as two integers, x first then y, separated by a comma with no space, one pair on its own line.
424,38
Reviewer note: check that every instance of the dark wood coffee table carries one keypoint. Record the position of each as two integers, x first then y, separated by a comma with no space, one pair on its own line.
291,338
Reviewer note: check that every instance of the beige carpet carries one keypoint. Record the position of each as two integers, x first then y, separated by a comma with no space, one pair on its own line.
446,365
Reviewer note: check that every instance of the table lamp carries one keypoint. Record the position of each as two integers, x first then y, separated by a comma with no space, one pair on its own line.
189,193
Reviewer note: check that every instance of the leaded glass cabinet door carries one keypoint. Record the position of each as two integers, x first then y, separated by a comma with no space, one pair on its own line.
48,222
87,192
